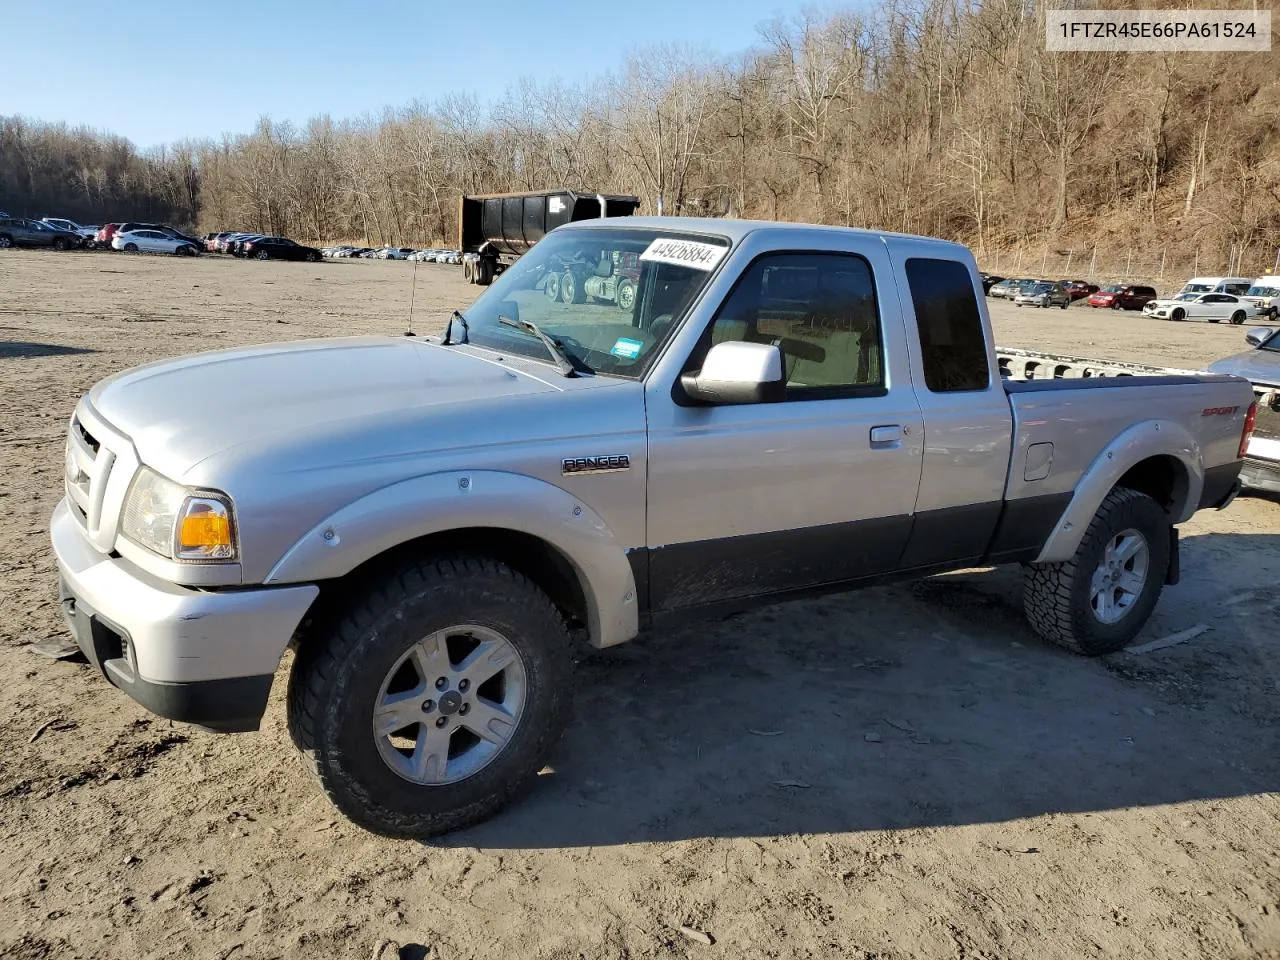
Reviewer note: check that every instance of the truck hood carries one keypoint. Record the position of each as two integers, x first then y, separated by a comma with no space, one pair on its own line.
1256,366
180,412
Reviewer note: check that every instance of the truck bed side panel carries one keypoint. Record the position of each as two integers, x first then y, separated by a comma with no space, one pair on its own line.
1082,417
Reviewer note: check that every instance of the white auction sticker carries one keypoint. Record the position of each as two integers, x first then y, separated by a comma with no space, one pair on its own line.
685,253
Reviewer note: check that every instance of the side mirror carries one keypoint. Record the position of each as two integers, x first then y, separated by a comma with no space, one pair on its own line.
738,372
509,309
1259,336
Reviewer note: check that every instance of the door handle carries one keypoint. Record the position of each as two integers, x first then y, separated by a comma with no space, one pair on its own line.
887,435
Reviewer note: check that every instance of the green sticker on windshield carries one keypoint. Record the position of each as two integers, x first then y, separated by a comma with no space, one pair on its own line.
627,349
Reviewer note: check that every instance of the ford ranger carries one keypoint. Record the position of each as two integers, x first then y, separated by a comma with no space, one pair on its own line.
780,410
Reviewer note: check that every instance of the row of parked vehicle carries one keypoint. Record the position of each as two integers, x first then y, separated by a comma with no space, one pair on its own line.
1234,299
431,255
258,246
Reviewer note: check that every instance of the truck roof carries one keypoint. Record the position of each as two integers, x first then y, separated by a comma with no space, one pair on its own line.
736,230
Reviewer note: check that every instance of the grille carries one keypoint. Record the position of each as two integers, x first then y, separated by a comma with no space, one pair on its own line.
86,466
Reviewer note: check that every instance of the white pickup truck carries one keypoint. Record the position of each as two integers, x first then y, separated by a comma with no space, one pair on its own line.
431,523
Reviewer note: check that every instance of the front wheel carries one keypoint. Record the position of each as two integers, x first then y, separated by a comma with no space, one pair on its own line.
1064,304
435,699
6,241
1115,305
262,255
1097,601
59,243
1237,318
1178,314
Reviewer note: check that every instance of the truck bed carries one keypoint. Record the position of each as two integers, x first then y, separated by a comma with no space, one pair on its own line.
1018,365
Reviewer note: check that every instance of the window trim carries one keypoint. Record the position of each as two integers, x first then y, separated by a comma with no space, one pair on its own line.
992,380
854,391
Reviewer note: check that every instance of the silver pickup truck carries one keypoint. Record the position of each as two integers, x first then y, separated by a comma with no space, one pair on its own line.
432,523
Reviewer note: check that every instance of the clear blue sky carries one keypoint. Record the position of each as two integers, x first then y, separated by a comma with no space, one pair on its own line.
157,72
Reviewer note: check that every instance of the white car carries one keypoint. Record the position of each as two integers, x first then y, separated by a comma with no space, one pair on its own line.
395,253
152,241
1202,306
85,231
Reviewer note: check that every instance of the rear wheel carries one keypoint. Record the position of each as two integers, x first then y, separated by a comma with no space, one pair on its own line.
1064,304
571,289
59,243
435,699
6,241
262,255
1097,601
1115,305
626,295
1237,318
131,248
312,256
186,251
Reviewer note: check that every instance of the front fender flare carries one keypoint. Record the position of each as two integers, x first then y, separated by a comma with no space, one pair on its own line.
437,503
1151,438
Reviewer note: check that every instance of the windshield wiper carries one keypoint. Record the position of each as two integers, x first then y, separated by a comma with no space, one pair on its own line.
562,360
447,340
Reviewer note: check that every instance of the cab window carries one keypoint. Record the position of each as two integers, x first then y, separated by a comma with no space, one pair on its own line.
820,308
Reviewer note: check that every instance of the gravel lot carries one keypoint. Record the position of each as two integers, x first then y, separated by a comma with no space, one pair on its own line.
900,772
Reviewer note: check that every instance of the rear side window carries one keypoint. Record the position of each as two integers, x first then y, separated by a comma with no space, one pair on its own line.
953,349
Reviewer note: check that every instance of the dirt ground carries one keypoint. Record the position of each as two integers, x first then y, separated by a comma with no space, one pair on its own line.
900,772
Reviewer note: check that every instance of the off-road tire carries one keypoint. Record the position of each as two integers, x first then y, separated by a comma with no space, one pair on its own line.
1056,596
340,667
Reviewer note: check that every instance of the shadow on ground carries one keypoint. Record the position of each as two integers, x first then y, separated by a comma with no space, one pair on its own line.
22,350
920,705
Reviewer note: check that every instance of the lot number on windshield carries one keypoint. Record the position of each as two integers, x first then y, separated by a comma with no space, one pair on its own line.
685,253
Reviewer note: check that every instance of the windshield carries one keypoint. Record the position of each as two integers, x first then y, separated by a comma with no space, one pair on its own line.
608,297
1197,288
1187,296
1114,288
1263,292
1041,288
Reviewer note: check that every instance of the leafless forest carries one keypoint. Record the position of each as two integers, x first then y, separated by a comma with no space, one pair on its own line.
929,116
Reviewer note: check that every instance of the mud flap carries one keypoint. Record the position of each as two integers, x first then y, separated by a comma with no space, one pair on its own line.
1174,573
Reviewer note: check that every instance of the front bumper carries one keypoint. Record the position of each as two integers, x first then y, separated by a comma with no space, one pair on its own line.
199,656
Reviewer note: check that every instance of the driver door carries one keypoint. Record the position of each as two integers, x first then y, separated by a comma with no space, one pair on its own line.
762,499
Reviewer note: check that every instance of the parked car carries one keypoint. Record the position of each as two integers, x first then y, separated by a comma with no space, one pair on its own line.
103,237
278,248
395,253
239,241
1046,293
131,225
21,232
1233,285
177,234
1213,307
430,526
1264,294
988,281
1079,289
1122,296
85,232
1008,289
153,241
1260,365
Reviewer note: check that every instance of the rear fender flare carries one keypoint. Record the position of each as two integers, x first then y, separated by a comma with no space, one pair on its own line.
1151,438
437,503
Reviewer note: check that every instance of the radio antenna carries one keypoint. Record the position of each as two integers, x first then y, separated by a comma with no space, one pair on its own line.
412,293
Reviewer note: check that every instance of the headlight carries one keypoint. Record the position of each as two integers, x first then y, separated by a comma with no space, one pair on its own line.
179,522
